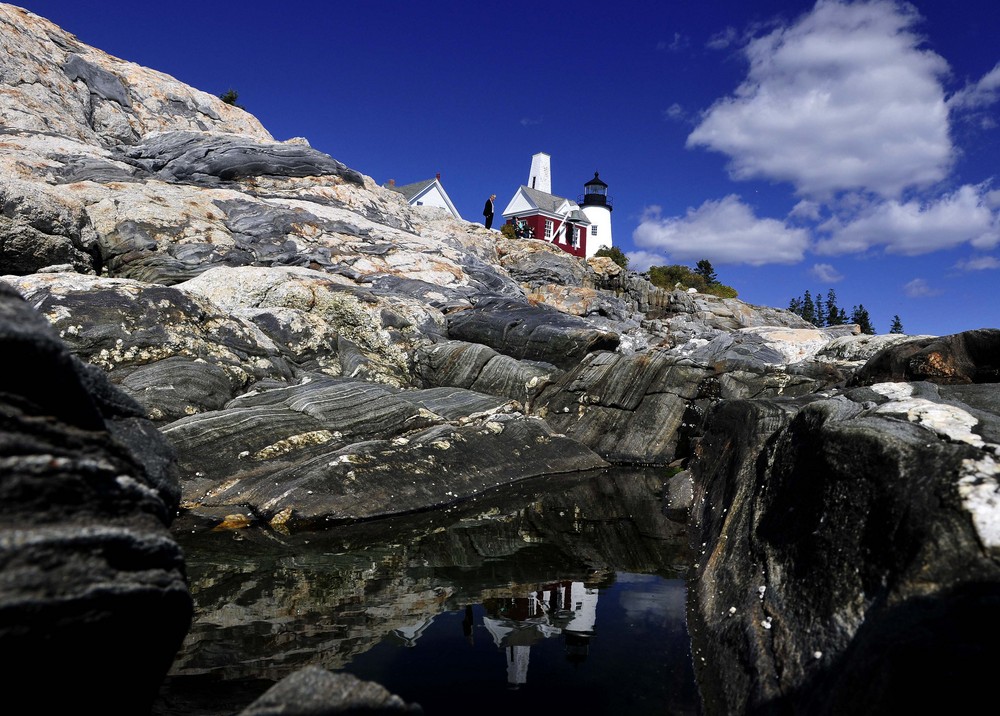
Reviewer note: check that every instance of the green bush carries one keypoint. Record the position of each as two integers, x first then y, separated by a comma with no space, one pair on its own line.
615,254
508,231
683,278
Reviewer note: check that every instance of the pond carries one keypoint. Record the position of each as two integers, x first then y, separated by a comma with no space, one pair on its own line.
563,592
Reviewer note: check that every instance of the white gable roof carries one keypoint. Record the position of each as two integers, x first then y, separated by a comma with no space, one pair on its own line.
428,193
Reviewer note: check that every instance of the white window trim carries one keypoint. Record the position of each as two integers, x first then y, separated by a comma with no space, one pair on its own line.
593,229
548,228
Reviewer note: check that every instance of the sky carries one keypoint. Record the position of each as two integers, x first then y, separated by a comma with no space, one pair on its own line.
796,145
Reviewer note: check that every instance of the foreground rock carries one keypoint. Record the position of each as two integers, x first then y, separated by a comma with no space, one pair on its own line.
848,551
93,599
334,450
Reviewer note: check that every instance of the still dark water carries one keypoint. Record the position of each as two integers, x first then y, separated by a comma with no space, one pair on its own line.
563,593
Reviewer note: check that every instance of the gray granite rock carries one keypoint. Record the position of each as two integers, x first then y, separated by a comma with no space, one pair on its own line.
93,586
521,330
209,159
846,553
314,691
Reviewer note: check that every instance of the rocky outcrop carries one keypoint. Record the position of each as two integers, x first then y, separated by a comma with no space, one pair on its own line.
93,585
970,357
848,551
313,691
332,450
306,350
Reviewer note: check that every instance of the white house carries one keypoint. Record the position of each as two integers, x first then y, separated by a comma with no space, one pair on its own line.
429,192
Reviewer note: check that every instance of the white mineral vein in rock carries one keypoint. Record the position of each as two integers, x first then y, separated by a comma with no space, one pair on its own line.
946,420
979,487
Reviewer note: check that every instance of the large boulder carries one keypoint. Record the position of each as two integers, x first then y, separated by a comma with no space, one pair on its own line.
92,594
969,357
330,450
847,552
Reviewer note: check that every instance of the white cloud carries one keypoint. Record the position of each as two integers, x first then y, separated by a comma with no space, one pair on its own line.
677,44
529,121
826,273
809,210
642,260
919,288
842,99
722,40
982,93
724,231
980,263
915,227
675,112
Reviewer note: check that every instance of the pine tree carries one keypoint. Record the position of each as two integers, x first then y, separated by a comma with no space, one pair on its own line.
705,270
897,325
795,306
808,308
859,315
820,311
835,316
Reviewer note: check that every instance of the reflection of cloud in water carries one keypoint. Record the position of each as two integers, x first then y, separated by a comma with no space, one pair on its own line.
655,600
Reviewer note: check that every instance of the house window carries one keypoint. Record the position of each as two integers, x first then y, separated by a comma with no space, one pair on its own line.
548,228
593,229
576,237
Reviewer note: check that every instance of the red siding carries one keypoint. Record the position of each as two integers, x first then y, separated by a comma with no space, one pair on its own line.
537,224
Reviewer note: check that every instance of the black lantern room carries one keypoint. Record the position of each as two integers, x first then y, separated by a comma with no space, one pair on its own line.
595,193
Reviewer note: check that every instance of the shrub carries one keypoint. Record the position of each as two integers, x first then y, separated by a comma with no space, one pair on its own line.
615,254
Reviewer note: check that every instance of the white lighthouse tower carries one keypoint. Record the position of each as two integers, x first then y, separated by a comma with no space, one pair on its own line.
540,175
597,208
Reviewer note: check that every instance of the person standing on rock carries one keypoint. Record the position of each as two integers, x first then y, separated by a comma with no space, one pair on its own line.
488,210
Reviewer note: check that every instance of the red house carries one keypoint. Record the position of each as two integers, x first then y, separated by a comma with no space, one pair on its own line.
540,215
537,213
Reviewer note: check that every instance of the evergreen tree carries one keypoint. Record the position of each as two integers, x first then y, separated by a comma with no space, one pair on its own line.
835,315
808,308
897,325
230,96
795,306
820,310
705,270
859,315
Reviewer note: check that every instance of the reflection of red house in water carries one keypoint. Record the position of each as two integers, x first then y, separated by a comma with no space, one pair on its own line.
537,213
515,623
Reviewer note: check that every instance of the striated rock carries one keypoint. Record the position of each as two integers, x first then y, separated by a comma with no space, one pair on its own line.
629,409
521,330
842,538
317,352
93,585
59,85
480,368
339,450
121,325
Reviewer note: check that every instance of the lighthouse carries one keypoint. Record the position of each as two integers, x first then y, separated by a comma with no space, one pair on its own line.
596,206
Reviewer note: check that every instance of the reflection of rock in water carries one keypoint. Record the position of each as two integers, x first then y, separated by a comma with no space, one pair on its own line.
269,604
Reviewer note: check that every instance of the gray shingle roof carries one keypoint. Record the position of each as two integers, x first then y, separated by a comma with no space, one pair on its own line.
411,190
544,201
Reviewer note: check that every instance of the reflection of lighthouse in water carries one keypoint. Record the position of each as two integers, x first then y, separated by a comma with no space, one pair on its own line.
567,608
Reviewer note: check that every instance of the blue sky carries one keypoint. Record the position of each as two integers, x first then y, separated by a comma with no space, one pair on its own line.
796,145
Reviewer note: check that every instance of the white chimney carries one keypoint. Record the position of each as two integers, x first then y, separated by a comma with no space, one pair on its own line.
540,176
